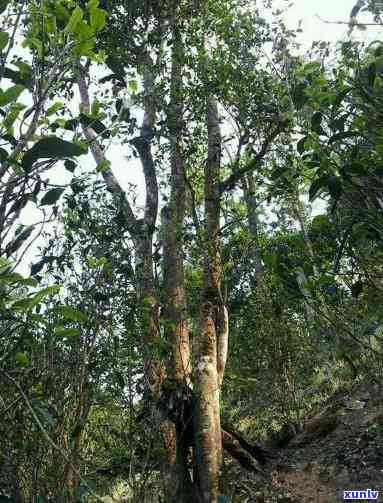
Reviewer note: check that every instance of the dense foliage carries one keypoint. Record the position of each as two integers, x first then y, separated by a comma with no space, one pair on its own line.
260,197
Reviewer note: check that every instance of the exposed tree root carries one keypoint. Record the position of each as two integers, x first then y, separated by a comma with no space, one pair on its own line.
250,457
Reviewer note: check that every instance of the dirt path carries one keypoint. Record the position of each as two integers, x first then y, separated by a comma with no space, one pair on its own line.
340,448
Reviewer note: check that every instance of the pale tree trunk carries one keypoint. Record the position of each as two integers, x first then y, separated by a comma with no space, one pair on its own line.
212,337
300,213
249,190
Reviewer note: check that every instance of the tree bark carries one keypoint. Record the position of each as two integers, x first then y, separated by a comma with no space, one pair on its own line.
249,190
174,465
213,324
173,215
141,231
300,213
178,483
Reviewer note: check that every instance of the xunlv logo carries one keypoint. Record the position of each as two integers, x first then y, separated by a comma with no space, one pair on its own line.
368,494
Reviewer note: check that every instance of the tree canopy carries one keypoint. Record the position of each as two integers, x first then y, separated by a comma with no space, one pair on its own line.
238,280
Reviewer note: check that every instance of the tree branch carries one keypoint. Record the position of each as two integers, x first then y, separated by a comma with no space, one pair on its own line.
235,177
99,155
143,146
349,23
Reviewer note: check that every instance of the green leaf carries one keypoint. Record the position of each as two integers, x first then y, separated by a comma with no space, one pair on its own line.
51,197
298,96
270,259
355,168
22,305
35,43
61,12
95,109
316,186
36,268
4,265
4,5
74,20
45,292
334,186
59,105
316,123
97,19
342,136
22,358
69,313
70,124
3,155
94,263
95,124
22,77
86,40
338,123
15,244
66,332
371,74
15,278
24,67
312,67
301,144
51,147
116,66
103,165
70,165
4,39
29,282
133,85
50,25
12,115
340,97
10,94
30,302
357,289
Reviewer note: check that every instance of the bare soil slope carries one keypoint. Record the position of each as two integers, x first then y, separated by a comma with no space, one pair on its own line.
340,448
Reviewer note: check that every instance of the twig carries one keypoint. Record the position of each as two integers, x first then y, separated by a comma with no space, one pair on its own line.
349,23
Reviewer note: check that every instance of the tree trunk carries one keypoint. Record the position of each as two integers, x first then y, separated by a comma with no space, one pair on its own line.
300,214
80,414
173,215
178,483
141,233
249,189
213,325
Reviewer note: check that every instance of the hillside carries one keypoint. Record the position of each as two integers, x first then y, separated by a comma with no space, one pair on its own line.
339,448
